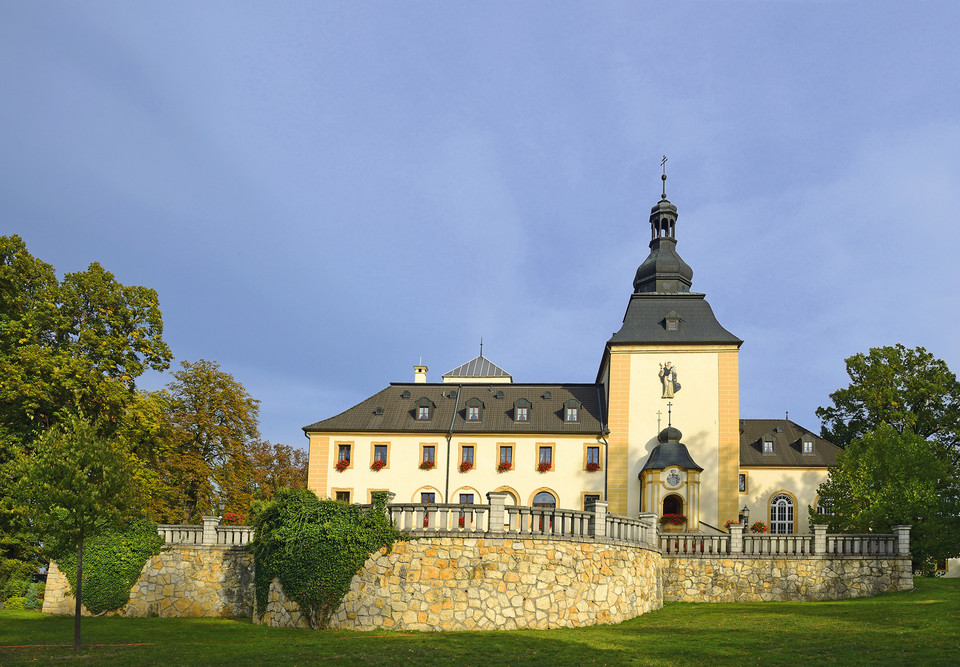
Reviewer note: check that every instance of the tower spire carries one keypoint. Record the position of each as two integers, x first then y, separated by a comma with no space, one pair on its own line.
663,163
663,270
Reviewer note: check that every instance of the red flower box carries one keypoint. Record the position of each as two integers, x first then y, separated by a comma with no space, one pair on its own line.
466,465
378,465
759,527
593,466
342,465
504,466
544,466
427,465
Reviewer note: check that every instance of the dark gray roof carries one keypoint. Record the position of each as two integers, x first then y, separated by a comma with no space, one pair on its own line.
787,445
670,452
478,367
398,414
644,321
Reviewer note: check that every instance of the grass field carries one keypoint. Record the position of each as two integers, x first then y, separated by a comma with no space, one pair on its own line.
918,627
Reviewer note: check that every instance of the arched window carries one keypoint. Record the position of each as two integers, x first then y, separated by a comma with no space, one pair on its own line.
781,514
544,499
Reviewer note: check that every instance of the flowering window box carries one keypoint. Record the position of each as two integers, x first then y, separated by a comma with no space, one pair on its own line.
466,466
544,466
378,465
427,465
504,466
593,466
342,465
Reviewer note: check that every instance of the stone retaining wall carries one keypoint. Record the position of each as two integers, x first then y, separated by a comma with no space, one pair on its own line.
181,581
491,584
744,579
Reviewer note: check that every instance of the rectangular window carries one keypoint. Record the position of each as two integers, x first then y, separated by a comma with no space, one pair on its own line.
429,452
545,455
423,412
466,498
671,325
473,413
768,446
343,496
466,454
506,454
808,447
593,455
522,414
589,499
343,453
573,414
380,453
428,497
742,479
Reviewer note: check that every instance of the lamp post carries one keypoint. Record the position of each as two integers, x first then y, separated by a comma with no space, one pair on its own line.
745,517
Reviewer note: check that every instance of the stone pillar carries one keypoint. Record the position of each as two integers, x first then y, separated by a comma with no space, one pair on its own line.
819,538
903,540
650,520
736,538
498,515
598,527
210,524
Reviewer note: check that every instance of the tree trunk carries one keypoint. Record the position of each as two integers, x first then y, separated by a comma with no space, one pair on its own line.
76,616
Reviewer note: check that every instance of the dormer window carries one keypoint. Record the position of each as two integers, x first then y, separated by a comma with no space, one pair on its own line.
768,446
521,410
425,409
571,411
474,410
671,322
807,447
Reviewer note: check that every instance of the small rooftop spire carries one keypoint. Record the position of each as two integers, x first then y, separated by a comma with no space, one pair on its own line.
481,346
663,163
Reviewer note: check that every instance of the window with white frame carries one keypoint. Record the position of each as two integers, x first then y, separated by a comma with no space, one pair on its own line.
768,446
808,447
781,514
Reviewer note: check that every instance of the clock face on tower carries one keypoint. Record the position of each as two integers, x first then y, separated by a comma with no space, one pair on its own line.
673,478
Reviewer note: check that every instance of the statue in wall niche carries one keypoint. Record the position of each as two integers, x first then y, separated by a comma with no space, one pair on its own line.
668,377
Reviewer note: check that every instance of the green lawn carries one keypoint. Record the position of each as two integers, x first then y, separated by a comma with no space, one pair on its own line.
919,627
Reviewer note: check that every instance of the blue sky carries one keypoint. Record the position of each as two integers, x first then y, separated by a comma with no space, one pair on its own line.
323,193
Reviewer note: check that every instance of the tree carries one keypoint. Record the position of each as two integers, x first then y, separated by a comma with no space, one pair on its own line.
214,424
276,467
79,342
908,389
887,478
75,344
74,485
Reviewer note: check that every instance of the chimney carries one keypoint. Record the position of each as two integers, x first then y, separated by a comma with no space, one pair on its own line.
419,374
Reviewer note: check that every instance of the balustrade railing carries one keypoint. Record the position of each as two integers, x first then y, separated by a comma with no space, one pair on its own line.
497,518
819,544
173,534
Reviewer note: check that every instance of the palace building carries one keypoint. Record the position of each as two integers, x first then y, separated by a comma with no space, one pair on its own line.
659,430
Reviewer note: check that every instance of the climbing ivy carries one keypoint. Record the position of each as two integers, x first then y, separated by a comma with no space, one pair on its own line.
112,563
315,547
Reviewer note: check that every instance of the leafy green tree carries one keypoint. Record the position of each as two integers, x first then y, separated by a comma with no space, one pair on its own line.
908,389
887,478
80,342
75,484
75,344
214,424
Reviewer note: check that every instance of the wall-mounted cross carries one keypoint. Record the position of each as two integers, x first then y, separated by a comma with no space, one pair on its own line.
658,420
669,410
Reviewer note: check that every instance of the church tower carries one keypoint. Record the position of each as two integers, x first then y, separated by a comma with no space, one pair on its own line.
670,365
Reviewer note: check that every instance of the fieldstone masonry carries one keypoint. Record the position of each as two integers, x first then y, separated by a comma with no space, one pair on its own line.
744,579
182,581
489,584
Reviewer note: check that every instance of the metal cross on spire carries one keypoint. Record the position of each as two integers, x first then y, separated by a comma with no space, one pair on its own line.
658,420
663,163
669,411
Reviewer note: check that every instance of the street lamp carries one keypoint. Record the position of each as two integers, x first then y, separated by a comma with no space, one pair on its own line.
745,516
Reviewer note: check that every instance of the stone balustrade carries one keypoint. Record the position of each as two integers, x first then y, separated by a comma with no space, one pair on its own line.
818,544
209,534
499,519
